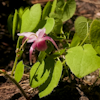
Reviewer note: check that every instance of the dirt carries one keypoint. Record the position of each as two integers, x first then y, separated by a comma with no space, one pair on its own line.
87,88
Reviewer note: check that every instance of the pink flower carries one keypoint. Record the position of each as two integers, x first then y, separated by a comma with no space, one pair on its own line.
38,39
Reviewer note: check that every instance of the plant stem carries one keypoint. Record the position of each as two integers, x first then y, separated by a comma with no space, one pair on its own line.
84,40
14,66
63,62
23,44
14,81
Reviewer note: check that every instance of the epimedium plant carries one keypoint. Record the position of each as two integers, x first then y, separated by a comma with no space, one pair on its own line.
42,27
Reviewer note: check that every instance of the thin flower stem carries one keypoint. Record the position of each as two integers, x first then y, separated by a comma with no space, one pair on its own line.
26,41
16,59
14,81
23,44
15,63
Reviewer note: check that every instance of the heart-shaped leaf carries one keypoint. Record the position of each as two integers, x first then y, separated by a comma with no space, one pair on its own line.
19,71
82,60
95,35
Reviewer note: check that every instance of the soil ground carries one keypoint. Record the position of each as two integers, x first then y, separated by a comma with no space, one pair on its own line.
86,88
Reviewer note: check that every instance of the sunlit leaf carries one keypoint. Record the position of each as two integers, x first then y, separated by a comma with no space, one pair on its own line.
31,18
19,71
82,60
52,80
49,25
53,6
40,72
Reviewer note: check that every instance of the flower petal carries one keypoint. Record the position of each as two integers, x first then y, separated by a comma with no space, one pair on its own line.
30,35
31,51
31,40
41,45
41,32
50,39
26,34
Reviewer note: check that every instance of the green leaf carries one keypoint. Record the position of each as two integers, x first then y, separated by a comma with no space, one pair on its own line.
14,27
53,6
58,10
32,73
50,48
19,71
57,54
49,25
58,26
69,10
20,11
31,18
10,22
42,56
75,41
40,25
60,5
52,80
46,10
55,37
82,60
95,35
40,72
82,28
